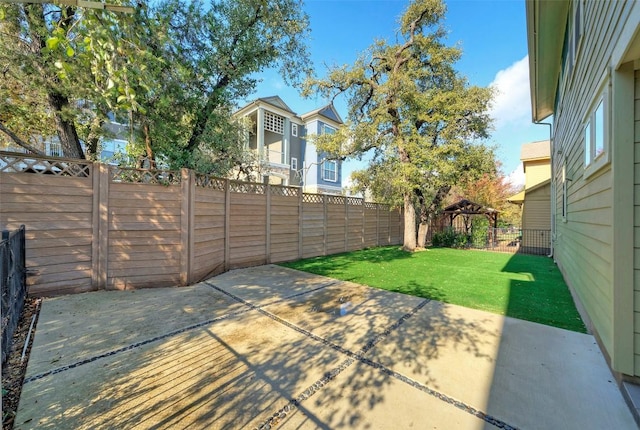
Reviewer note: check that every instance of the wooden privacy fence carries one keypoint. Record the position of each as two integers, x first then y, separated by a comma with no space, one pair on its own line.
92,226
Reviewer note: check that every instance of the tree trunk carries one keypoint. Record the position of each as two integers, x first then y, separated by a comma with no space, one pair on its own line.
148,144
427,212
66,129
409,243
94,139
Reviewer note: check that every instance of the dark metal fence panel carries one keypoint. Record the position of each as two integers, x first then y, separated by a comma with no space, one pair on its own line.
12,281
508,239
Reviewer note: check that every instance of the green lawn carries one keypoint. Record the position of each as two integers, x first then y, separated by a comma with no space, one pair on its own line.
521,286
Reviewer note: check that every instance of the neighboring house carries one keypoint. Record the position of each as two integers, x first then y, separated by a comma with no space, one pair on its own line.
114,142
535,199
279,136
584,61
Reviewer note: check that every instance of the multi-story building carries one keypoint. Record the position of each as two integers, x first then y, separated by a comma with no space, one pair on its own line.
287,157
584,63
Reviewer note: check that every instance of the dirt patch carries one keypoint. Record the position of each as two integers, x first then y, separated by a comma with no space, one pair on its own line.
15,368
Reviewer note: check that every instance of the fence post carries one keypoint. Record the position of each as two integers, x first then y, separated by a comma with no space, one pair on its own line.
364,223
389,227
300,222
325,232
186,225
227,220
268,225
377,224
346,223
100,215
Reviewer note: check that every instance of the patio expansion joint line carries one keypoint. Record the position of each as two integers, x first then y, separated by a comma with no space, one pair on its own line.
358,356
161,337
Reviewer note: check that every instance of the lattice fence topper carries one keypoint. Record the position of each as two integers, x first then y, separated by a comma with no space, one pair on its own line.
207,181
336,200
354,201
284,191
370,205
144,176
247,188
311,198
11,162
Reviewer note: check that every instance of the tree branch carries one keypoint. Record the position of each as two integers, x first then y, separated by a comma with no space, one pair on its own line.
19,141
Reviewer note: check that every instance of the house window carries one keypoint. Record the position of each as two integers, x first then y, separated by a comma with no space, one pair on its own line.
330,170
578,9
328,129
54,149
294,163
294,129
596,132
274,123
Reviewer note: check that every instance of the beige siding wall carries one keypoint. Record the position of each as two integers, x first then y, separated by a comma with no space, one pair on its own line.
583,246
536,172
105,231
636,260
536,210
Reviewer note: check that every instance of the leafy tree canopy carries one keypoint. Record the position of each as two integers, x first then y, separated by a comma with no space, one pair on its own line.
174,67
413,110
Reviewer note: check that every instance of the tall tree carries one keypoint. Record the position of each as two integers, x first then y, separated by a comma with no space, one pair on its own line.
408,104
27,60
175,66
220,57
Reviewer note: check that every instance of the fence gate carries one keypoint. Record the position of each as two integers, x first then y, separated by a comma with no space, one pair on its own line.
12,280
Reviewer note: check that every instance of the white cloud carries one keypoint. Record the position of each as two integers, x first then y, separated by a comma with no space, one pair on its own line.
516,178
512,103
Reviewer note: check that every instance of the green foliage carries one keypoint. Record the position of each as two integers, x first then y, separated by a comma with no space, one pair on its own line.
521,286
479,231
449,238
174,67
412,111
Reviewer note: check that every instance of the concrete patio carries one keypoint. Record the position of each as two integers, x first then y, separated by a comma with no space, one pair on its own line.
273,347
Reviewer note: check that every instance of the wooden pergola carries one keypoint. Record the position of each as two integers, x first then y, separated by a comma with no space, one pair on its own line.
467,208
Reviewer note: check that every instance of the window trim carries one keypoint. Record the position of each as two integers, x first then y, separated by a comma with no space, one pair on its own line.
294,129
593,162
324,170
294,163
564,190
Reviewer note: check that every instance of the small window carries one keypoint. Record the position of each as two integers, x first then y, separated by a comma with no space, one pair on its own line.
328,129
54,149
294,129
596,133
294,163
330,170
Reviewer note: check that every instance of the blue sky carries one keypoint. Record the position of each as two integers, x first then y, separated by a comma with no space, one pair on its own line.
491,34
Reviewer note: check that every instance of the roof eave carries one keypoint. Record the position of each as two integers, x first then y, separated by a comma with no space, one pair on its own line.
546,25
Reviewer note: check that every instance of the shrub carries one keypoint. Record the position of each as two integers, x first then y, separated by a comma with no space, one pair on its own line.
449,238
479,232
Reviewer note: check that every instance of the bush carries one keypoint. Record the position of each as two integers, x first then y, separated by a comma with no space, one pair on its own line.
479,233
449,238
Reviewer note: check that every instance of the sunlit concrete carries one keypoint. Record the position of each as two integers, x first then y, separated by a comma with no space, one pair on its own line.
269,346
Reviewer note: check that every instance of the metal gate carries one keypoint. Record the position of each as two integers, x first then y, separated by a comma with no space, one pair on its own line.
13,283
